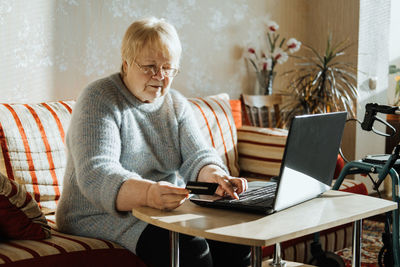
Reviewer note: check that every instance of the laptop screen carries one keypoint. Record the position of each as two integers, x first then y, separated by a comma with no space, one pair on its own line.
310,157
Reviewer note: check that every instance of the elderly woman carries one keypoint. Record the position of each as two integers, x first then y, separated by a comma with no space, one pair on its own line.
128,137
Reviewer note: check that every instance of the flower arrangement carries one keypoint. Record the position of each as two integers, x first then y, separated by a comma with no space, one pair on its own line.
277,52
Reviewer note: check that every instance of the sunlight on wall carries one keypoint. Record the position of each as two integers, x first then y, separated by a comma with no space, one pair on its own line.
26,50
373,62
394,44
394,47
51,49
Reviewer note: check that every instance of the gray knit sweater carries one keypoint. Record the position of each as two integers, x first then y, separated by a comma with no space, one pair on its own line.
114,137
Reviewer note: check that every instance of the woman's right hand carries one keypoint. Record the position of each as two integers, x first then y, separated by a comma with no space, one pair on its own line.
165,196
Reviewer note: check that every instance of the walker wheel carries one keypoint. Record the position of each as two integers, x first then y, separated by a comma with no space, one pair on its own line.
329,259
385,257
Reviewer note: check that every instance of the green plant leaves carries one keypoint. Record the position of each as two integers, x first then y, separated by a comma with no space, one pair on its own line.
393,69
322,82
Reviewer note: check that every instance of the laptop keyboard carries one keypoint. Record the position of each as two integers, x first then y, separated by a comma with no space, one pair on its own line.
258,196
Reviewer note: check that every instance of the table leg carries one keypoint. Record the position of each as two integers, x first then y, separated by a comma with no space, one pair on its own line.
174,243
256,256
357,244
277,261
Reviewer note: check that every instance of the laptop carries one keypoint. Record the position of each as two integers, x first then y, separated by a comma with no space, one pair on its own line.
307,168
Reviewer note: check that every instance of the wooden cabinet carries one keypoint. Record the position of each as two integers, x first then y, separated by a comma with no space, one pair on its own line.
390,143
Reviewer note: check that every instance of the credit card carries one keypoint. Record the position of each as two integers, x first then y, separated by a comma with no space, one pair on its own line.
201,188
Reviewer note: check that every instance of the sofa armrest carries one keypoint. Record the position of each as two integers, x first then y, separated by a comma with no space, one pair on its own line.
260,151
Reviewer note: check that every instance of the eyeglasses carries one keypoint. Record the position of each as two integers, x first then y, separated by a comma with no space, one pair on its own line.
153,70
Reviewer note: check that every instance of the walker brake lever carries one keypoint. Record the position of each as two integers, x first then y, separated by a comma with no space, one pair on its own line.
385,123
371,109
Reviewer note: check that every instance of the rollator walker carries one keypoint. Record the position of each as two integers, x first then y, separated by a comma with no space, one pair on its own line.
386,165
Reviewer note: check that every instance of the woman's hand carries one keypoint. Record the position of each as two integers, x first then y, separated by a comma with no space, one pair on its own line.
228,185
165,196
142,192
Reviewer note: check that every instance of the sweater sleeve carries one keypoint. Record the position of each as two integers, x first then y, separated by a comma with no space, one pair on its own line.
196,153
94,143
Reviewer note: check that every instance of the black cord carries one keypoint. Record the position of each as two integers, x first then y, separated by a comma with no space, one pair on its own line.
340,148
341,154
346,161
375,185
369,175
352,119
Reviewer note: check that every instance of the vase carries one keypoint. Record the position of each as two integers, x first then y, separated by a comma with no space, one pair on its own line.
269,80
265,82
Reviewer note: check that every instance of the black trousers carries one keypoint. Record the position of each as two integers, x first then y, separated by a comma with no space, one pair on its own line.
154,249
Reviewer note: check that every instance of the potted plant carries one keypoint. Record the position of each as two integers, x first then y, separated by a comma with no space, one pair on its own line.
321,83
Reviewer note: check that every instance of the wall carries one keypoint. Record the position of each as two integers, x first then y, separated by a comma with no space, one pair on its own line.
26,50
365,23
394,47
373,62
51,49
311,21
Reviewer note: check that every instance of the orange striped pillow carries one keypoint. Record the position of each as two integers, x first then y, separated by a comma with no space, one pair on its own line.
261,149
236,106
214,116
32,147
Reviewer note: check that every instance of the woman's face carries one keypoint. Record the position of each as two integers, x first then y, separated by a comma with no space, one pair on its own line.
148,87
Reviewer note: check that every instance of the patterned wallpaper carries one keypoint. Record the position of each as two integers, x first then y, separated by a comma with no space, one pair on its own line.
51,49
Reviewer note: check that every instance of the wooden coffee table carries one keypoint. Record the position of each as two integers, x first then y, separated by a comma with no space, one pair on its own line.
332,209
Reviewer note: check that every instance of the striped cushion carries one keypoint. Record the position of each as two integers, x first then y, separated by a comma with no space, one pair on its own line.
261,150
32,147
214,116
67,250
20,216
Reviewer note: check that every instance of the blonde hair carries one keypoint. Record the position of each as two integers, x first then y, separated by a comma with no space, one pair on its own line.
150,33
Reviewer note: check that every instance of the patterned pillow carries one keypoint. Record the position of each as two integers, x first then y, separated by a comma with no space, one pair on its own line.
261,150
214,116
20,216
32,147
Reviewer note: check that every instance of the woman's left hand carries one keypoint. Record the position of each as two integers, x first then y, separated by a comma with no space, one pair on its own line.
228,185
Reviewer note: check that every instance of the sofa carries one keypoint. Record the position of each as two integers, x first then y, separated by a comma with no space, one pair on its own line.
33,159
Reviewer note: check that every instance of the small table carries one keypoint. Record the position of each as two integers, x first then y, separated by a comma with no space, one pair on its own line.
332,209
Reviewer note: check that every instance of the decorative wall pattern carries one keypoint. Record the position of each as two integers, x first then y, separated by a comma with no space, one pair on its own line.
51,49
